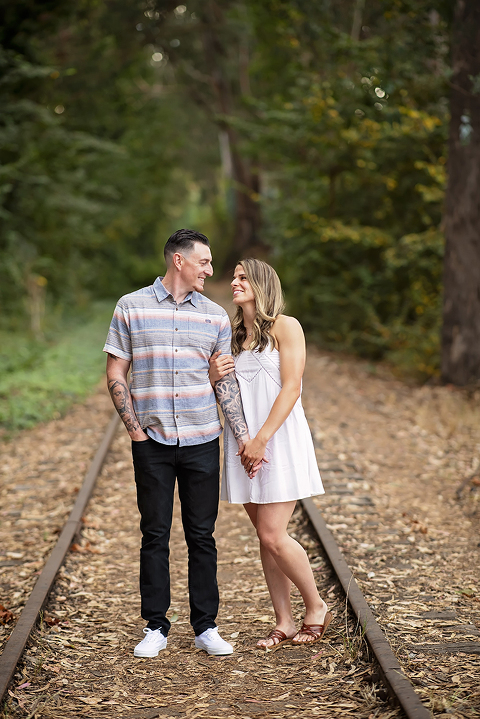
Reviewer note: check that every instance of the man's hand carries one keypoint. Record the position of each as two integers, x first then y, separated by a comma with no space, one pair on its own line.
220,365
241,441
140,436
252,454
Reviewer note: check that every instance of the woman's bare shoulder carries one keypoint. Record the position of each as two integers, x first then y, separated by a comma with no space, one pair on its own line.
285,327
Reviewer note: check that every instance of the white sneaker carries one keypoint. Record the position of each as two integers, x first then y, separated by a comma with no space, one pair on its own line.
151,644
211,641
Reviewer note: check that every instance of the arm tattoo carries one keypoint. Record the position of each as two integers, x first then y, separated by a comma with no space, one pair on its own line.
122,400
229,399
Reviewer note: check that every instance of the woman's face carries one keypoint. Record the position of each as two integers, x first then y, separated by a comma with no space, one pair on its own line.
241,287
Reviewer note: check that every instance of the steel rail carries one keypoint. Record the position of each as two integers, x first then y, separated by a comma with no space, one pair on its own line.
392,672
19,637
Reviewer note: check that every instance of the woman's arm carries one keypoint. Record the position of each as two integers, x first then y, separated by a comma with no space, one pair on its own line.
291,344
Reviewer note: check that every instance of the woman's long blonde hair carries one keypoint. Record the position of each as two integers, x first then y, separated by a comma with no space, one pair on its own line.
269,303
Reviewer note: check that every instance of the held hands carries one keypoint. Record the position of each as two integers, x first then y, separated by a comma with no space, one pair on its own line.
252,454
241,445
220,365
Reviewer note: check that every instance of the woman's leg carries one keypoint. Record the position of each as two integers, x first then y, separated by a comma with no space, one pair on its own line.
278,585
290,558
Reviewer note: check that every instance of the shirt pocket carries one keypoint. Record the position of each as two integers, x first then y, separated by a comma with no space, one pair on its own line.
202,332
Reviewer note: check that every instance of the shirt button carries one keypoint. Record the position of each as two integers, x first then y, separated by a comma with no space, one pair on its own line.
176,416
176,395
176,329
176,372
176,309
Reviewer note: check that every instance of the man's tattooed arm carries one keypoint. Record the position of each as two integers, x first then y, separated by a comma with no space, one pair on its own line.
123,404
117,370
229,399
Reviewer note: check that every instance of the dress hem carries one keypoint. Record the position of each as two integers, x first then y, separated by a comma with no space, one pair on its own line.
273,501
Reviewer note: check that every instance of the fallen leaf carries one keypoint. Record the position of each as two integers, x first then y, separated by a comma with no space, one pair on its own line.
51,621
5,615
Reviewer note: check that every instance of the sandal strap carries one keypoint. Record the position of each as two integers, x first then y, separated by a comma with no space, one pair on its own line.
314,630
277,634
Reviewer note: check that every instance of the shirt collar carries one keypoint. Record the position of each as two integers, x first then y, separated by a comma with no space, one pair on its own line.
162,293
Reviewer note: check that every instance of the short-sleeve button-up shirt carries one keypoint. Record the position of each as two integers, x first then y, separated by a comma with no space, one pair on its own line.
169,345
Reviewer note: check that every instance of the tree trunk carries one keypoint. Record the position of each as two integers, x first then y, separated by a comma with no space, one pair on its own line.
461,310
245,180
247,209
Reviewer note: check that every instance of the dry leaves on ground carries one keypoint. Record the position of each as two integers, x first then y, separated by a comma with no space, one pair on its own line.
81,662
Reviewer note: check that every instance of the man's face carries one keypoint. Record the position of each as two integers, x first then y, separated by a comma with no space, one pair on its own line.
196,266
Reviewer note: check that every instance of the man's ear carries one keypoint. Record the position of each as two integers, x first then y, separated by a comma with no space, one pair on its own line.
177,260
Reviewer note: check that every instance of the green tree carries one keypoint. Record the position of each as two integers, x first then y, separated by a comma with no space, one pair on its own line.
206,48
351,142
88,148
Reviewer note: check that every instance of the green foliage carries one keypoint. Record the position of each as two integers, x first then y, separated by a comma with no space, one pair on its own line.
52,203
42,379
357,289
109,140
354,139
89,146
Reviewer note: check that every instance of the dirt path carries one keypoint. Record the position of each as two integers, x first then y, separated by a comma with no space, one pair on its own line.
393,458
81,662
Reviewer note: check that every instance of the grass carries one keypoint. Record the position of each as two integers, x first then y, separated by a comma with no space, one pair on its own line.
41,380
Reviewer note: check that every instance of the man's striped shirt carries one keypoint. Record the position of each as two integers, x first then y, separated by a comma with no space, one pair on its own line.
169,346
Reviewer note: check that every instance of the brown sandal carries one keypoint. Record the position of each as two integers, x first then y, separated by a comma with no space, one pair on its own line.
316,631
279,639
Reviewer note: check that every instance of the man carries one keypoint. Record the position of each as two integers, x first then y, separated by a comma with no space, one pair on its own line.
166,333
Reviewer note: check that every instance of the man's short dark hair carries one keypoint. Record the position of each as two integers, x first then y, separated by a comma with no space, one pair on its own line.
183,241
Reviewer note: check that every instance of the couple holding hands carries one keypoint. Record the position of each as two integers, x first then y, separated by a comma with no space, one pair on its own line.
184,357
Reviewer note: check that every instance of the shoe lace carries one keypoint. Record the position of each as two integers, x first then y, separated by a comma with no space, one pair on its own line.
150,634
211,633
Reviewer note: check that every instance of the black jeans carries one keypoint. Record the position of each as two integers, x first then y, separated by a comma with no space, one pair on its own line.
197,471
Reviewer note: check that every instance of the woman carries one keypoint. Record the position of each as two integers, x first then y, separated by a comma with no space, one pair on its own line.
279,463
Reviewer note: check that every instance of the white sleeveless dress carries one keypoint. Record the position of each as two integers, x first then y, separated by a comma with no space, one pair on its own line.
292,471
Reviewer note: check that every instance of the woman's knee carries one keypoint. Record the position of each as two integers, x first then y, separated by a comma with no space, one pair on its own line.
270,539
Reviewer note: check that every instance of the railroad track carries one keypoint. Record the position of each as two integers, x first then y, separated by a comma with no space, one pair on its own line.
431,625
28,619
339,475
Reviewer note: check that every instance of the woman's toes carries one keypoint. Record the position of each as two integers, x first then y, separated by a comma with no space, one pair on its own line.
303,639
